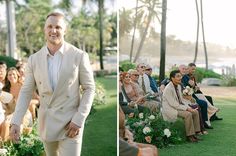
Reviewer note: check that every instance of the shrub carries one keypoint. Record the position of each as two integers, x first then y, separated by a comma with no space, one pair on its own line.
229,81
201,73
99,98
126,65
11,62
152,129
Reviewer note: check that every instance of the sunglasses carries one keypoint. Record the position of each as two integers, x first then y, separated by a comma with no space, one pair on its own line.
142,67
127,77
148,69
136,75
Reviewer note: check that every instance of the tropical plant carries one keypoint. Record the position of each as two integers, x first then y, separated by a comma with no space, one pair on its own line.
126,65
148,11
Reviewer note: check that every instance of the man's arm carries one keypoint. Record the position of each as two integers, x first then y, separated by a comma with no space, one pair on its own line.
23,102
86,80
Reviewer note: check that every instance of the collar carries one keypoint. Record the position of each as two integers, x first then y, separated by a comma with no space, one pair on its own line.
60,50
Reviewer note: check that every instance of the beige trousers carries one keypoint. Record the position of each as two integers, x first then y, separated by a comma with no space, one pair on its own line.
65,147
191,121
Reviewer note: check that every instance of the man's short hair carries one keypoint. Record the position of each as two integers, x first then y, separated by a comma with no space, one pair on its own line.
192,65
57,14
173,73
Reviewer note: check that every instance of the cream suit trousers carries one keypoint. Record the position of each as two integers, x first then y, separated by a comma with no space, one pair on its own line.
65,147
191,121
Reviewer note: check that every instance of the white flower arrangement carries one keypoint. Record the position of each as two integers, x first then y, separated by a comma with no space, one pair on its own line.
151,117
167,133
146,130
188,91
3,151
140,115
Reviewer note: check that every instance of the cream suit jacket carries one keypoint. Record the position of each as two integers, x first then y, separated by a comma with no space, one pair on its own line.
171,105
64,104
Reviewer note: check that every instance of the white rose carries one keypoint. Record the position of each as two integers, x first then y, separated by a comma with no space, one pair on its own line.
146,130
151,117
167,132
140,115
3,151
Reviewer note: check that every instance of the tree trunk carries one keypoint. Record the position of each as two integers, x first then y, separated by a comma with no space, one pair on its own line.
203,37
100,10
144,34
135,23
163,41
196,44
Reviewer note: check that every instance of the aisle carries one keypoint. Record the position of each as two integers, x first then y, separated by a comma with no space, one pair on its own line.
220,141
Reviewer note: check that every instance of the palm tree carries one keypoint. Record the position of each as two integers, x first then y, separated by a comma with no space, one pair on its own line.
148,11
196,44
163,41
203,37
124,22
135,24
100,13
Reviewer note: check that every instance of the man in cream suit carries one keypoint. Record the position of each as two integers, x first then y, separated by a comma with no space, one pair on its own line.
174,107
59,71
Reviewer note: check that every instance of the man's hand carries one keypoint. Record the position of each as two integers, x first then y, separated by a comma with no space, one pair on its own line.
72,130
15,133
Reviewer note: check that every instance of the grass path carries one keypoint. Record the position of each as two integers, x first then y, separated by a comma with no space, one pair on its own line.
100,134
220,141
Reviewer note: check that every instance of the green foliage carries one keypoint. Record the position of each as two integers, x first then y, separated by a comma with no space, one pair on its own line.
100,97
229,81
151,128
29,145
201,73
11,62
126,65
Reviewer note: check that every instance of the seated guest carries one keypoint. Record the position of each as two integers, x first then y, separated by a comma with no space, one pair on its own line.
127,146
134,93
187,98
202,104
143,79
153,83
190,80
13,86
173,107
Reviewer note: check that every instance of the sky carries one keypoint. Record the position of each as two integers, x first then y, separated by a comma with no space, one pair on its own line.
219,20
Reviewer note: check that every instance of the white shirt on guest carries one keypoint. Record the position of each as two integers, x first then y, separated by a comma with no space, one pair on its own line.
146,83
54,65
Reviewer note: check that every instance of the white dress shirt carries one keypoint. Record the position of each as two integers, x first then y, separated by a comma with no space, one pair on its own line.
54,64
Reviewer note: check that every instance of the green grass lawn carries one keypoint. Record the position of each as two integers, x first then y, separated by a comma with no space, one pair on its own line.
100,134
220,141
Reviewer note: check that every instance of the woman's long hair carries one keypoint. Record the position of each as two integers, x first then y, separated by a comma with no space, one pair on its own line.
7,86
